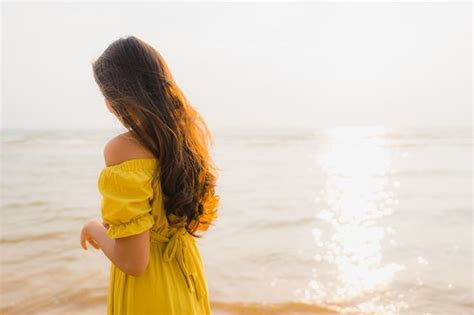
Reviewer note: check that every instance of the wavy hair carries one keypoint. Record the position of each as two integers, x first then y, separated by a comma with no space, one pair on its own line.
136,82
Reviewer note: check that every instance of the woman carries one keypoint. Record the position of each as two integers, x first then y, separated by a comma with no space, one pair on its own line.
158,187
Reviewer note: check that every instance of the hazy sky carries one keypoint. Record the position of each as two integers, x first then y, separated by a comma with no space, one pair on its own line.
248,64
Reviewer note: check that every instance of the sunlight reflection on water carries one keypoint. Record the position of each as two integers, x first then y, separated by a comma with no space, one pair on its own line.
349,237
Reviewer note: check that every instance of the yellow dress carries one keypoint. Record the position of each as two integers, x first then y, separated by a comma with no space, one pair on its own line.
174,281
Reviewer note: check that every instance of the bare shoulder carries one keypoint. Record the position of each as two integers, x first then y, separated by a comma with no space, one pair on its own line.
124,147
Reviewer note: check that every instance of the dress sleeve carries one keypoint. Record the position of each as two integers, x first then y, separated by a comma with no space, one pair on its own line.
126,201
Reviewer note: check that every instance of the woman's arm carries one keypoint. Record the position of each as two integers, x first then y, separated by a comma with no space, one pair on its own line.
130,254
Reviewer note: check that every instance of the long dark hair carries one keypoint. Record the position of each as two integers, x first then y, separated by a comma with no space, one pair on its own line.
136,82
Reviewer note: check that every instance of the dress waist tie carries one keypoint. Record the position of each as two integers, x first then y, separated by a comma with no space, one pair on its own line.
176,247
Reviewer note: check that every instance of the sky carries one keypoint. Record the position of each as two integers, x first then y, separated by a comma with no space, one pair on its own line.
248,65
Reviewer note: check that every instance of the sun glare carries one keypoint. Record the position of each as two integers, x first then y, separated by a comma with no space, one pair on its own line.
349,236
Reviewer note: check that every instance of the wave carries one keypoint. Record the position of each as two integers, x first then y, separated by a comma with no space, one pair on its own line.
45,302
30,237
412,173
33,203
234,308
280,224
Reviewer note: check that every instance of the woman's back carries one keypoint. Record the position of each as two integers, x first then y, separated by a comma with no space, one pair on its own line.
174,280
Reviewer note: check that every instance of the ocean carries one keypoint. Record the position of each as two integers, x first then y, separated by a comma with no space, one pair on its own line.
356,220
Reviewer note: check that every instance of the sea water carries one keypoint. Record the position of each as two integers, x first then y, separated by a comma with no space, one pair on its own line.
362,220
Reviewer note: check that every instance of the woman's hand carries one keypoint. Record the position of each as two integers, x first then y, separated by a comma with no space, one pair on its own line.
86,236
130,254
